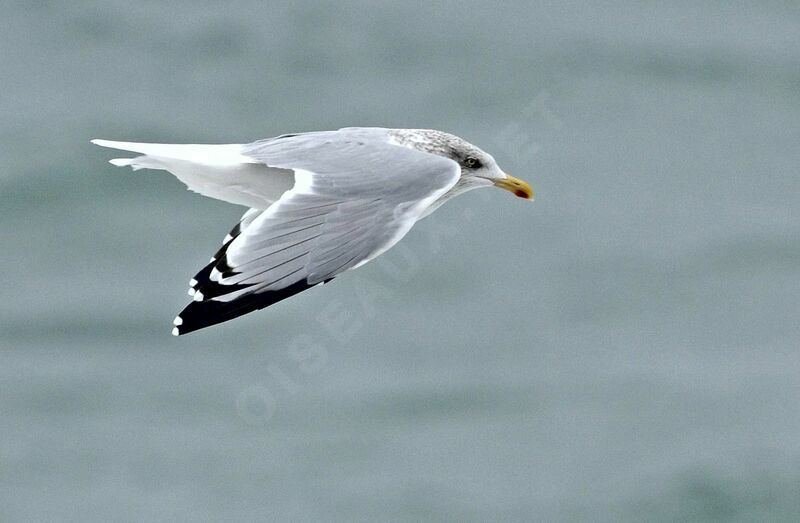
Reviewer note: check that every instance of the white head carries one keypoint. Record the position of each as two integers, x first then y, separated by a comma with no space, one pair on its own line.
478,168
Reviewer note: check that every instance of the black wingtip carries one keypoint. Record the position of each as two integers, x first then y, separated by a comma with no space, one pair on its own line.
201,314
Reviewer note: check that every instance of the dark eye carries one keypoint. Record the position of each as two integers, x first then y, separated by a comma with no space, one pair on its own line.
472,162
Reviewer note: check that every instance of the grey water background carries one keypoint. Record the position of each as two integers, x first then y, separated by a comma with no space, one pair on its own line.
626,348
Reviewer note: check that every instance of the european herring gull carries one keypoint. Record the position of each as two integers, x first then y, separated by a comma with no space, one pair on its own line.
321,203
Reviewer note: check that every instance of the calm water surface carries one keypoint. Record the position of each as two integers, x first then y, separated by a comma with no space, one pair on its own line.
625,348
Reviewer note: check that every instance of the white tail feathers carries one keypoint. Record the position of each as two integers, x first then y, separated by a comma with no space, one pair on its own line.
140,162
145,148
217,154
217,171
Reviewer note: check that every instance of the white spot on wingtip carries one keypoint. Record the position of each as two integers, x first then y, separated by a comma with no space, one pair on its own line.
192,282
175,332
178,321
198,296
191,292
228,238
212,260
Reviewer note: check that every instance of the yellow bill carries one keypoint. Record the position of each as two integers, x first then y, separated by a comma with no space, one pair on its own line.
519,187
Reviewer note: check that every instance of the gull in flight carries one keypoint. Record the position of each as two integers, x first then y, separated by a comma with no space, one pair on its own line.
320,203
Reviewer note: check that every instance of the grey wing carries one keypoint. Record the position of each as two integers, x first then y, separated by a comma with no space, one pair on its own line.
355,196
